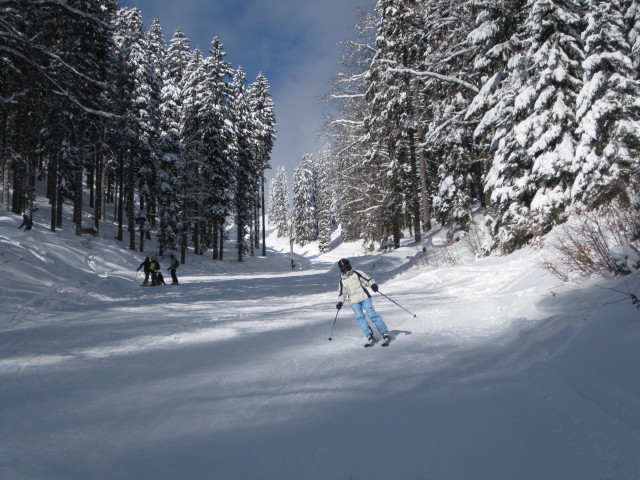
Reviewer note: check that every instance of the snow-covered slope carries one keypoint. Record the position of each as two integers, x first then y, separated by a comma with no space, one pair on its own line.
503,374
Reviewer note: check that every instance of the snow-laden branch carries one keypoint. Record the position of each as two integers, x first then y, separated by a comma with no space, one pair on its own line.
344,122
361,46
63,4
444,78
70,68
12,97
345,96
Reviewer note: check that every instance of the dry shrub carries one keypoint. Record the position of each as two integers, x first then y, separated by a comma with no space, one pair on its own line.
583,245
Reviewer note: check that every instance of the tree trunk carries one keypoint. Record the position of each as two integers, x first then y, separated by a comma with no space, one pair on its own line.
240,240
131,222
97,207
221,241
183,248
52,187
59,204
120,197
414,203
77,196
6,164
264,228
426,206
214,241
17,205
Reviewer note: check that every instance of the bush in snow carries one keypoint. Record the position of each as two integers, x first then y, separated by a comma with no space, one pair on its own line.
626,258
602,242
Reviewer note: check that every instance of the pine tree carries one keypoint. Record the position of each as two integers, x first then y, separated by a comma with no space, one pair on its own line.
138,106
150,86
246,165
325,193
448,82
304,220
262,109
348,133
279,203
173,204
534,123
195,82
392,122
220,146
170,148
608,111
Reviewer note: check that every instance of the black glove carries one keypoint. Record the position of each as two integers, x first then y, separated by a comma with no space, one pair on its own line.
374,287
339,305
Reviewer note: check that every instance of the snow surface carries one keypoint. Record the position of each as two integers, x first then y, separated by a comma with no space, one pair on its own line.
503,374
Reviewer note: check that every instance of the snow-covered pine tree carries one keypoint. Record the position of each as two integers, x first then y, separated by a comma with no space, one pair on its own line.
151,85
246,166
304,220
177,60
392,125
195,91
170,164
178,56
219,141
139,104
279,203
448,82
264,117
533,123
325,195
52,67
608,109
632,20
349,141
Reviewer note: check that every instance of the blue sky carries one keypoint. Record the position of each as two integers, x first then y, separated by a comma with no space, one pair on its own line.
295,43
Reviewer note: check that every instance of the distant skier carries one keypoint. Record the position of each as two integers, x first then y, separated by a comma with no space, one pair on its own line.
146,266
27,222
155,268
293,264
172,268
353,286
159,279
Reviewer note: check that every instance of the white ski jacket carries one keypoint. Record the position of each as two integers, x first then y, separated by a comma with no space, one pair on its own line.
353,286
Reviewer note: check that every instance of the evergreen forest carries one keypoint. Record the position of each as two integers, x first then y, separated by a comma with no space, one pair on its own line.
174,139
521,111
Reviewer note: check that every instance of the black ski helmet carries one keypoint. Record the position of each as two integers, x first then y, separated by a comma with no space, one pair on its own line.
344,264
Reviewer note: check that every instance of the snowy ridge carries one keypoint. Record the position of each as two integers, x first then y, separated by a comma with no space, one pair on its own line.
504,374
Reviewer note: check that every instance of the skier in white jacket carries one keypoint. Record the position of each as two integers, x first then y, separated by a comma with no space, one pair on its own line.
353,286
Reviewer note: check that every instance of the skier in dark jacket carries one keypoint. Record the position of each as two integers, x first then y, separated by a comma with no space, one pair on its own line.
146,265
27,223
172,268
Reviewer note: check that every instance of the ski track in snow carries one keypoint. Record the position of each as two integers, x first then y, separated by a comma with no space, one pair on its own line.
230,375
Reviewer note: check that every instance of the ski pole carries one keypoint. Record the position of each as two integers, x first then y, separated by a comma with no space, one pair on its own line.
414,316
334,324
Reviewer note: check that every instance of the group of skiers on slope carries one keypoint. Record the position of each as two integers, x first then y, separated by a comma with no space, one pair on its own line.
352,287
151,268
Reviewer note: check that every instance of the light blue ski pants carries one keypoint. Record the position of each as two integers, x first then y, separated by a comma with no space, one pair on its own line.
367,306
